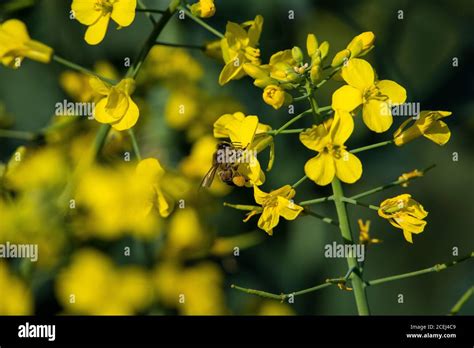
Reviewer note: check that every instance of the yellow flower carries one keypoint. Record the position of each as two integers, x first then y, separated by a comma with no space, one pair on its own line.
376,97
182,107
245,132
404,213
364,235
116,107
96,15
272,308
204,8
276,96
333,159
407,176
16,298
239,46
317,53
83,287
358,47
15,45
150,173
428,124
274,204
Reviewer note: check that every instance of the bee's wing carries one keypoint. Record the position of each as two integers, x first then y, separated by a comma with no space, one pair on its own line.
209,177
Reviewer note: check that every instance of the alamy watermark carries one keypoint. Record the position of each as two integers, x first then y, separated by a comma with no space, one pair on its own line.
80,109
343,251
231,155
404,109
21,251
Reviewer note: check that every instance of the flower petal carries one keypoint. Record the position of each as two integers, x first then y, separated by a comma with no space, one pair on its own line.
348,167
320,169
342,127
396,93
124,12
288,209
85,11
268,220
377,116
130,118
358,73
96,32
346,98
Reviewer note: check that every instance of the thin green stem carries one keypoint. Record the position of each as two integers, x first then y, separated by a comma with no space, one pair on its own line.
15,134
324,109
316,201
287,131
201,22
100,138
373,146
436,268
300,181
81,69
136,148
196,47
391,184
355,202
327,78
242,206
462,301
312,102
303,97
356,278
290,122
321,217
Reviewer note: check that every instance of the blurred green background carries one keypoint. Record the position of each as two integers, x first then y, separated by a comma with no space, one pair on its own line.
416,51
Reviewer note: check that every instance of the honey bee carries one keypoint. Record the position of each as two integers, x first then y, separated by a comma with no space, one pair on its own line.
226,169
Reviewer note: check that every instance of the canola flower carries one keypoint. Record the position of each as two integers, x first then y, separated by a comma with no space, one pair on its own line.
358,47
428,124
274,204
203,8
16,44
375,96
333,159
116,107
96,14
404,213
239,46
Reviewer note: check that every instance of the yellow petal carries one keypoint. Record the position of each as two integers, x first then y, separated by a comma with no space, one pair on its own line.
346,98
117,103
311,44
377,115
315,138
99,86
162,203
259,195
348,167
15,29
358,73
85,11
436,131
255,31
241,133
231,70
408,236
268,220
149,170
124,12
320,169
396,93
130,118
288,209
96,32
101,114
342,127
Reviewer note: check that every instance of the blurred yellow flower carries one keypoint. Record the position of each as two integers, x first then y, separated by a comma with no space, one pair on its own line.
273,308
196,290
116,107
274,204
16,298
150,173
15,45
428,124
376,97
404,213
182,107
203,8
239,46
96,15
91,284
333,159
410,175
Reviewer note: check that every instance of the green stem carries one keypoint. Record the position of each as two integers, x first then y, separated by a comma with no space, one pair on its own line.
460,303
287,131
242,206
384,187
300,181
324,109
196,47
150,42
303,97
136,148
290,122
357,281
321,217
100,138
373,146
312,102
436,268
316,201
81,69
15,134
327,78
201,22
355,202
